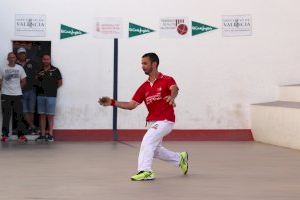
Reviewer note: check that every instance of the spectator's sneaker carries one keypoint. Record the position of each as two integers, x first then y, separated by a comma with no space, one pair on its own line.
22,139
143,176
183,164
4,138
41,138
27,131
30,131
49,138
14,132
35,131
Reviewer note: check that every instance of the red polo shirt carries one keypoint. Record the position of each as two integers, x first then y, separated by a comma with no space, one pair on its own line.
153,96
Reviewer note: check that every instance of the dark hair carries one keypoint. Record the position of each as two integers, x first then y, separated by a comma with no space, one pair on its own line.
10,54
46,54
153,57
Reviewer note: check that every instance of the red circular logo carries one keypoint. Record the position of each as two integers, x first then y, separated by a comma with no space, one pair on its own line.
182,29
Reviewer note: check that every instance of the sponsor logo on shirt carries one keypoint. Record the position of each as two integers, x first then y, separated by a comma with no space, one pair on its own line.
152,98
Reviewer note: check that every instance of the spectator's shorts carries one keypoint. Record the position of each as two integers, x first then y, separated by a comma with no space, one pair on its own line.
29,101
46,105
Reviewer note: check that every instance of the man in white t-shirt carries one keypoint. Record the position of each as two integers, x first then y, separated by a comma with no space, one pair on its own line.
12,79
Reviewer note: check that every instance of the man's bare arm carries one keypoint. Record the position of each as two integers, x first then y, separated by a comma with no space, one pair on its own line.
107,101
23,82
174,92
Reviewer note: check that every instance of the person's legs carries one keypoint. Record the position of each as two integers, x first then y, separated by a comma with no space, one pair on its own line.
49,136
166,155
50,119
43,124
29,101
14,124
41,105
50,112
151,142
6,114
17,109
29,119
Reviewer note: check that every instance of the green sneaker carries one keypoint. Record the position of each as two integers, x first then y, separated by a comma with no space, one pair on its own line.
143,176
183,164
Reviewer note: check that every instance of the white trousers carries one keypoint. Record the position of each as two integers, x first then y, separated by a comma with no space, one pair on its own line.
151,146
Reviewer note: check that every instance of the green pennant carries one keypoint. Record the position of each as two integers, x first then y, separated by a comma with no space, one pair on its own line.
66,32
198,28
135,30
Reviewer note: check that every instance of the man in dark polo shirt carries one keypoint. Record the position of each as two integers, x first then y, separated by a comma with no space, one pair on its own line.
50,80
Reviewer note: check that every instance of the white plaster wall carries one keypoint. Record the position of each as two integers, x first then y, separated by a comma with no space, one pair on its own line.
219,77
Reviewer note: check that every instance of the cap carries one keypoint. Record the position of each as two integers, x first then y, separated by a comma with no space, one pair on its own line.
21,50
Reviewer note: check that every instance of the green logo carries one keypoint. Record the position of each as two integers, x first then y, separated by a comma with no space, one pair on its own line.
198,28
66,32
135,30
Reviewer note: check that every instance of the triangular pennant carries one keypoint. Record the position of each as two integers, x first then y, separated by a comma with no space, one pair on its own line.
198,28
66,32
135,30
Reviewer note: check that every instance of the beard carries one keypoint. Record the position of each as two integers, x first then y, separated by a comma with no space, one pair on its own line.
149,71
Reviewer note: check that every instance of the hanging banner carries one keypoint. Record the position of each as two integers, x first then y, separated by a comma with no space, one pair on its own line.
108,28
236,25
174,27
30,25
67,31
135,30
198,28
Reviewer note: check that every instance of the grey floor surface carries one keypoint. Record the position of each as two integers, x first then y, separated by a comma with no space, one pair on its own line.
102,170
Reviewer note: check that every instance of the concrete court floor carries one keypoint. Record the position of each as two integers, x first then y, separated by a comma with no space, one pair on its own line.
101,170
